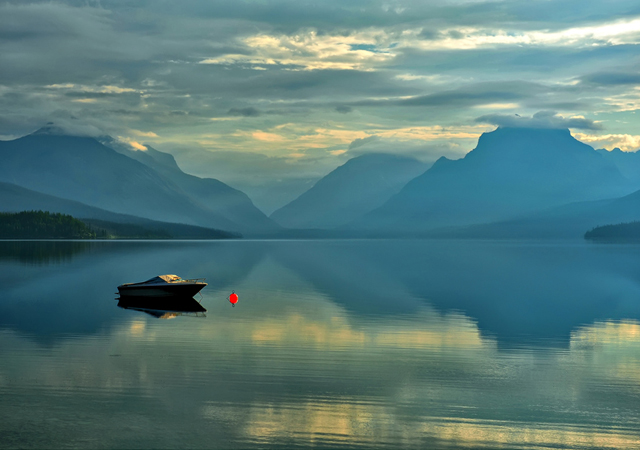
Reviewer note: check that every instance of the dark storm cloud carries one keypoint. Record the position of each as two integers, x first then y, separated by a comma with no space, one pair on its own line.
343,109
245,112
612,78
541,119
62,42
291,15
429,34
455,34
133,41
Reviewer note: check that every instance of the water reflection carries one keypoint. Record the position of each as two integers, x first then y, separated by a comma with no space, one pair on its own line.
313,379
41,252
75,295
164,307
520,292
323,355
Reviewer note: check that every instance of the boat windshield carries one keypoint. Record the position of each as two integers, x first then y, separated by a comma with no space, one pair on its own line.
163,279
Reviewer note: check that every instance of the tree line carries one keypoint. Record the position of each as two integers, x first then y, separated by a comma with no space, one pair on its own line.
629,231
43,225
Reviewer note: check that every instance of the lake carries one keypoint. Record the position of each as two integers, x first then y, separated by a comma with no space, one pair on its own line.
333,344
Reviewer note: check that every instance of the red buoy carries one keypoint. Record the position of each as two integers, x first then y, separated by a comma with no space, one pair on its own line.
233,298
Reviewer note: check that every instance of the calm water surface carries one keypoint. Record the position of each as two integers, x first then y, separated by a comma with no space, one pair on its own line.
333,344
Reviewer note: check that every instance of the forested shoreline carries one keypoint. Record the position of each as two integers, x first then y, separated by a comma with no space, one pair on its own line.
43,225
629,231
47,225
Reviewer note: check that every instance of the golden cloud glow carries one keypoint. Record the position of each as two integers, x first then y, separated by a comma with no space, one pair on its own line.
625,142
268,137
106,89
372,48
136,145
629,101
312,51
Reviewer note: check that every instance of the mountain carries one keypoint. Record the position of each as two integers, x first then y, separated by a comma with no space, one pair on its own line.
353,189
208,193
83,169
15,199
569,221
511,172
628,163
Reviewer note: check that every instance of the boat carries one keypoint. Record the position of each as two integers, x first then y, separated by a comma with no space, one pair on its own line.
163,286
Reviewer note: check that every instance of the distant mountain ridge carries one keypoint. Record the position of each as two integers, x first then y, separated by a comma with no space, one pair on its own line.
15,199
511,172
568,221
628,163
353,189
83,169
208,193
517,182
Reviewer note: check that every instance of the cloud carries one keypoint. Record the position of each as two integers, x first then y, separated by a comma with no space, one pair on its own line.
415,71
541,119
429,34
470,95
71,42
463,97
612,78
70,126
625,142
425,151
363,141
245,112
310,50
83,90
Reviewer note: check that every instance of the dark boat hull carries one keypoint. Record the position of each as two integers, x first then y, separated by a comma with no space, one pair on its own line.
168,290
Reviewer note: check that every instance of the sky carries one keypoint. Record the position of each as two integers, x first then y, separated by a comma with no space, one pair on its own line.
268,96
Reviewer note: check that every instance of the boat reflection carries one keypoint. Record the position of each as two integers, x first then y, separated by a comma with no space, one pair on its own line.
164,307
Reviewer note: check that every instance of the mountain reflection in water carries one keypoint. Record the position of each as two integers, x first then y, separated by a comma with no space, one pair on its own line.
369,344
